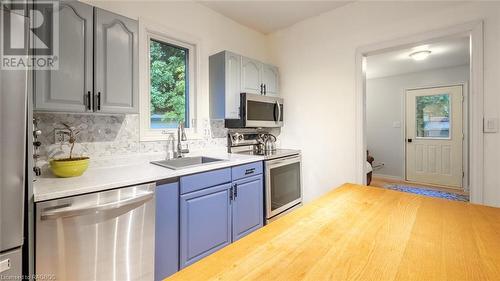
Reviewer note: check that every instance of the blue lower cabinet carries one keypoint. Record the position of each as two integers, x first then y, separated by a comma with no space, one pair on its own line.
166,230
205,222
247,206
217,208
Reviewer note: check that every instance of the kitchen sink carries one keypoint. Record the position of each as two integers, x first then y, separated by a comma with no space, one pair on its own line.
186,162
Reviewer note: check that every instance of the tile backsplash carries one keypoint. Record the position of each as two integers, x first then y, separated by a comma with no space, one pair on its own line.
103,136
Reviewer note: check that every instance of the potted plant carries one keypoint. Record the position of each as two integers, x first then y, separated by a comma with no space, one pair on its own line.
70,166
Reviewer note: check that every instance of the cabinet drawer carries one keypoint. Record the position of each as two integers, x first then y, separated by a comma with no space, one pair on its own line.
247,170
203,180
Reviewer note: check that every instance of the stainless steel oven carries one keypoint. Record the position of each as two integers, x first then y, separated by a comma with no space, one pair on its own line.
283,185
257,111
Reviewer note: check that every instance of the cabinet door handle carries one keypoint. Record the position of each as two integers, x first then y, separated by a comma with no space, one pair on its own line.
261,89
249,171
89,101
98,100
235,190
265,91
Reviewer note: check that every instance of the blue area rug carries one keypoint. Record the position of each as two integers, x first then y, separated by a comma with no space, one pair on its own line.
428,192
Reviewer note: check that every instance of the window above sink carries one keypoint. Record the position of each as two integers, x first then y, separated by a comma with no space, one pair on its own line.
169,76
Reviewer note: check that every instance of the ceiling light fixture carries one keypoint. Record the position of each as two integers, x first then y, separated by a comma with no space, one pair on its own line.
420,55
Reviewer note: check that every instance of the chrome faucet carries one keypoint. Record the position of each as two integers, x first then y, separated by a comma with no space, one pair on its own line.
181,136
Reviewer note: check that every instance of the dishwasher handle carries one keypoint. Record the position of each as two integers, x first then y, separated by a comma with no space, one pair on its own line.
68,211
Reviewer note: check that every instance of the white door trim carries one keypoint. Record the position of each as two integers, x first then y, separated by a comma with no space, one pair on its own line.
475,92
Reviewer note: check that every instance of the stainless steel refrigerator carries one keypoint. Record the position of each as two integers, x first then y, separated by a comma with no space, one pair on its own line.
13,116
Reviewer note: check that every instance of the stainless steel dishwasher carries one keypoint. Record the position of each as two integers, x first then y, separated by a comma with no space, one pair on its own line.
99,236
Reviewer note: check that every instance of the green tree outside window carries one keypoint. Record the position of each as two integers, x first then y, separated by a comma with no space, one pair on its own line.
429,107
169,85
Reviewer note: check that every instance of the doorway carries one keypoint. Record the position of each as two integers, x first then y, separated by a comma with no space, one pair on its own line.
473,156
435,136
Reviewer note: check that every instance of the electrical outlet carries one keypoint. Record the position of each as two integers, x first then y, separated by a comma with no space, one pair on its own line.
60,135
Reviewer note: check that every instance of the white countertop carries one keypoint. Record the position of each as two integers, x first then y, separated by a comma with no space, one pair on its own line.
128,171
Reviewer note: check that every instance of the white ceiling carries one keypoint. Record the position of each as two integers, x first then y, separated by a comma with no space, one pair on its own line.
447,53
269,16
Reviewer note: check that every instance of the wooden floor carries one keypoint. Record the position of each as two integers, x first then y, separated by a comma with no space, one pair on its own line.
365,233
382,182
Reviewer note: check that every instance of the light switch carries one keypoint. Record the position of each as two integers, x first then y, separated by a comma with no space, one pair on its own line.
491,125
396,124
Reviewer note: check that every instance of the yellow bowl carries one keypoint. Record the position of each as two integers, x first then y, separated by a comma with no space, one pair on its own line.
66,168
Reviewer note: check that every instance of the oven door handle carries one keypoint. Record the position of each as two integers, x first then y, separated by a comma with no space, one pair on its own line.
283,161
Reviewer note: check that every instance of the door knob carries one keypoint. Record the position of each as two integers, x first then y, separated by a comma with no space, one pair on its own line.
410,140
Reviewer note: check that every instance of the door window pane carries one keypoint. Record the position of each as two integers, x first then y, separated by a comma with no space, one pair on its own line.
169,85
433,116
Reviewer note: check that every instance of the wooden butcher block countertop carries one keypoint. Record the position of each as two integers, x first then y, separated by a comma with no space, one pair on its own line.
365,233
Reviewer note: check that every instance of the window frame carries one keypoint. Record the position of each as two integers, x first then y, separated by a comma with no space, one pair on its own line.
151,31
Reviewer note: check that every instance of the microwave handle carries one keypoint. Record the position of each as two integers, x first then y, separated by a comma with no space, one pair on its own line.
279,111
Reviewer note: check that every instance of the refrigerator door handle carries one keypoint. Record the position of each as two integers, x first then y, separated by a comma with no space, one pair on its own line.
77,211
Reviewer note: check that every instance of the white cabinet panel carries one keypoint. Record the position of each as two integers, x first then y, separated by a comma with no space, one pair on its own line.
250,76
225,85
69,88
270,79
116,63
233,82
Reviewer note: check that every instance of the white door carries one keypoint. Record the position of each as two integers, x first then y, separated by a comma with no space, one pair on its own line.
434,136
270,79
250,76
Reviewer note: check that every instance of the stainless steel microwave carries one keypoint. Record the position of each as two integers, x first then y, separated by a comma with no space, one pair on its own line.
257,111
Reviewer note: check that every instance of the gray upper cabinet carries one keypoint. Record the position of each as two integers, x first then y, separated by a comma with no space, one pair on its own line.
251,76
225,75
70,87
116,63
98,64
232,74
270,80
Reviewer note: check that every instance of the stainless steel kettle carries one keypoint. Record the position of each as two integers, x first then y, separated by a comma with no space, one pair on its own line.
270,143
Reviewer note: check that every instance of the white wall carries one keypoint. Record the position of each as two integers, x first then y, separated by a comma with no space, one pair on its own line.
317,64
385,105
214,31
